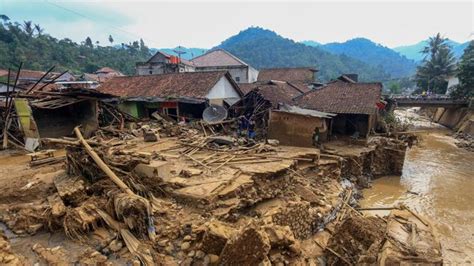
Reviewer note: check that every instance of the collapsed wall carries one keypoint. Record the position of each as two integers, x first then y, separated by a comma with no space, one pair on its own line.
193,201
381,157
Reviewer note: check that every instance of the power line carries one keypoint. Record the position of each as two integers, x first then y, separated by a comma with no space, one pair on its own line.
93,20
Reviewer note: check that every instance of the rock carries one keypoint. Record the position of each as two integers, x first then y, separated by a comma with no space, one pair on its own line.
213,259
149,136
200,254
192,253
185,246
187,238
169,249
115,245
163,243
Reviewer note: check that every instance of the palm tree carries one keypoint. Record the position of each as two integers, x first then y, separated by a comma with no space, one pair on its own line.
38,29
437,66
28,27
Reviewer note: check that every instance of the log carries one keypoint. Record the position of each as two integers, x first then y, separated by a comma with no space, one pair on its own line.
101,164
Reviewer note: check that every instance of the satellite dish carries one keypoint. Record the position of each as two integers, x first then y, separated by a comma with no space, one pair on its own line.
214,114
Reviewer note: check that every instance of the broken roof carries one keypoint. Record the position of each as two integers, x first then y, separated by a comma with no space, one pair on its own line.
277,92
305,74
343,98
174,85
217,57
301,111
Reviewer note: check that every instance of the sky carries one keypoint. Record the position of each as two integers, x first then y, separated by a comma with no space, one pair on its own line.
206,24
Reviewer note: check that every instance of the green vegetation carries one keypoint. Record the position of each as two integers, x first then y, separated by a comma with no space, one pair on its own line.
265,49
465,88
28,43
437,66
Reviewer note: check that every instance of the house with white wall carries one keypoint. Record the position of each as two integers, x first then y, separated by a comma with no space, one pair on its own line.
178,95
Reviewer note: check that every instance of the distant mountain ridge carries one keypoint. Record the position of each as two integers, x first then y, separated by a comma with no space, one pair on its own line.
413,51
374,54
264,48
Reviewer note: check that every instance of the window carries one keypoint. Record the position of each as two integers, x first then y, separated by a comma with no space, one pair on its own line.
151,72
237,79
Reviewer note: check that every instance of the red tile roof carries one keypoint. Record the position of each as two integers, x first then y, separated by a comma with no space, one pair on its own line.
175,85
343,98
218,57
276,92
304,74
247,87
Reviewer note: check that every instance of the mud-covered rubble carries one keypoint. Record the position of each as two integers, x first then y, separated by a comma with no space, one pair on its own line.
185,198
464,141
381,156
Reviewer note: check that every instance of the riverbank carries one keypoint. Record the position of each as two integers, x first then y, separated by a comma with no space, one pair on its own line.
437,181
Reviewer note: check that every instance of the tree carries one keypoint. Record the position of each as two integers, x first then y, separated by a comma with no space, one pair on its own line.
88,42
143,47
4,18
38,29
111,40
437,66
28,27
465,88
395,87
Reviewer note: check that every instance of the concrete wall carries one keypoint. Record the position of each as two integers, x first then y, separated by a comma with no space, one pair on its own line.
295,130
460,119
253,75
222,90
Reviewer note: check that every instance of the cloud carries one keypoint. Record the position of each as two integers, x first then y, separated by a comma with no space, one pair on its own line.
206,24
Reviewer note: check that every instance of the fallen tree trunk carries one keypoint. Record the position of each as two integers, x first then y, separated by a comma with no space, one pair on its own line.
101,164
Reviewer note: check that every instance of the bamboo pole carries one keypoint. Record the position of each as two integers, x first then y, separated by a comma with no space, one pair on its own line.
101,164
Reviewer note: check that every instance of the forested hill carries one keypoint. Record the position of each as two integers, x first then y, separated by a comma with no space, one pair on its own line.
263,48
374,54
38,51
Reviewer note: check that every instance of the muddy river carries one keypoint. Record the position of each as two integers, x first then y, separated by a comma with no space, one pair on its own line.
438,181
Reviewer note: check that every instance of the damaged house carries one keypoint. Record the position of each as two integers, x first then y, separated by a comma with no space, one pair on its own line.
354,103
163,63
271,106
178,95
304,78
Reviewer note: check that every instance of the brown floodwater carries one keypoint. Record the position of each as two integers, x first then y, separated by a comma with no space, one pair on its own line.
437,181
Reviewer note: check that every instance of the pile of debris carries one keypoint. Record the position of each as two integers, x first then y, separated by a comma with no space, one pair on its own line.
381,156
464,141
163,193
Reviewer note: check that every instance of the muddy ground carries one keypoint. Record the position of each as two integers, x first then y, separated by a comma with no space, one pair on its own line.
198,200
